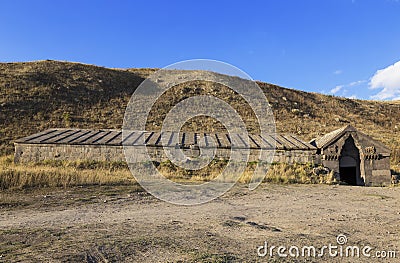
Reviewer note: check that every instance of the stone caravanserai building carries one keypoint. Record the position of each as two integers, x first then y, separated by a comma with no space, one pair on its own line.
356,158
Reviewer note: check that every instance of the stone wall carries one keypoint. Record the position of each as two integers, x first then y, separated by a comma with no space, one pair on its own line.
377,172
40,152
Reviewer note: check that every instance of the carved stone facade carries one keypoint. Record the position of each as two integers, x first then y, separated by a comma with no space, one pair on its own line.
355,157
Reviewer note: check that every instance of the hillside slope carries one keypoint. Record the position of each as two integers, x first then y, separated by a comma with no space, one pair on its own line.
43,94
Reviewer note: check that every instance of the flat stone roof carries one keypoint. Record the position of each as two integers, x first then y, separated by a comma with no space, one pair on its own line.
166,139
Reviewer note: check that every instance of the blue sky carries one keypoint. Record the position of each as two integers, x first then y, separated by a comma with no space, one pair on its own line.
343,47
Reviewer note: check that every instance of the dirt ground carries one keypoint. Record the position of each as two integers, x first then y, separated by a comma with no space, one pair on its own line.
125,224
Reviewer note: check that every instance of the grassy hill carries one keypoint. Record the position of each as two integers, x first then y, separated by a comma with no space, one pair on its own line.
38,95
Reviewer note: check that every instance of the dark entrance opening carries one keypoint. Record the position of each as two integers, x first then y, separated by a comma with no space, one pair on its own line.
349,163
348,175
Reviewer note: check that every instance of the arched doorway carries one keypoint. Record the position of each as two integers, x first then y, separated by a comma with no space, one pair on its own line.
349,163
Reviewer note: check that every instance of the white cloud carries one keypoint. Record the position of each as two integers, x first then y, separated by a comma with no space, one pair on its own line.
356,83
336,89
388,80
338,72
343,88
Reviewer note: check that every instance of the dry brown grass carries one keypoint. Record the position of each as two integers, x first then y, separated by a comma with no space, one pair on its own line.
84,173
297,174
61,174
279,173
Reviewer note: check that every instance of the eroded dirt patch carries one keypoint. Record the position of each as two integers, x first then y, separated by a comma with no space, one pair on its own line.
124,224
